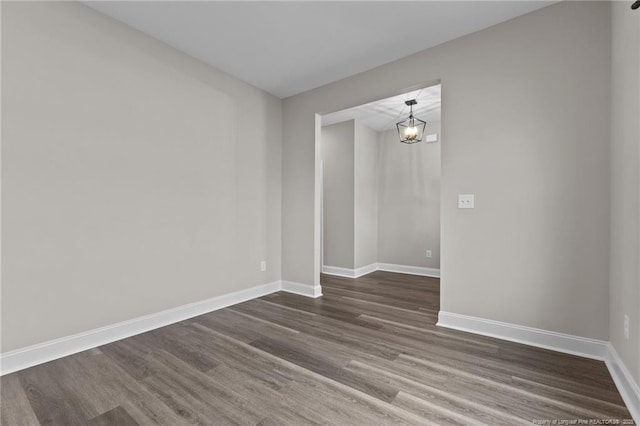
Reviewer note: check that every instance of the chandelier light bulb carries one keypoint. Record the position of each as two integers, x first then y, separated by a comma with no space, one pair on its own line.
411,132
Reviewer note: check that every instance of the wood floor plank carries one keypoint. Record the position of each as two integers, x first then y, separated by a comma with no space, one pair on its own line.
269,399
494,383
117,388
382,308
272,324
342,290
242,327
205,399
348,335
270,421
16,408
368,352
570,397
327,310
131,355
560,377
320,363
115,417
437,397
324,392
60,394
437,413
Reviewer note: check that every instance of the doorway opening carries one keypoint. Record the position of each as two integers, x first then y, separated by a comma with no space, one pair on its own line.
380,203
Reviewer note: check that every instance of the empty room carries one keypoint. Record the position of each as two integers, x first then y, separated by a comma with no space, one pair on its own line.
320,212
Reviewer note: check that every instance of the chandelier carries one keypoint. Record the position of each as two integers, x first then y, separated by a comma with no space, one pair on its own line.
411,130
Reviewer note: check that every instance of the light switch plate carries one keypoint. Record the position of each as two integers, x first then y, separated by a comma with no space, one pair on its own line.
433,137
466,201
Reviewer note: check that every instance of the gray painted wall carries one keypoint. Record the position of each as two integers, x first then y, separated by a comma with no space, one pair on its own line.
366,196
515,100
625,189
130,181
350,204
409,201
338,153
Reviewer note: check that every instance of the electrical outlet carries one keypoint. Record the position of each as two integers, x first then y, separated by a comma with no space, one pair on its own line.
429,254
466,201
263,265
626,326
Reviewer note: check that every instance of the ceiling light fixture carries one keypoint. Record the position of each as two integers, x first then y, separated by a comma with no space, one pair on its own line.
411,130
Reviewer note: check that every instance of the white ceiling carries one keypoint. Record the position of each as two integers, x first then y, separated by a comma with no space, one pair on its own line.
289,47
384,114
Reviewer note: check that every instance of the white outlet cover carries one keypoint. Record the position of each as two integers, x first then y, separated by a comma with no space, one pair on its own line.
466,201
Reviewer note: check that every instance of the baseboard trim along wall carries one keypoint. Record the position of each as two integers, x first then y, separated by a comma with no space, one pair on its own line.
412,270
301,289
628,388
388,267
350,273
48,351
560,342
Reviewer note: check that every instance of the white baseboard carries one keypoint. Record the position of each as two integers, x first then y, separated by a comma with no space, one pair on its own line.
627,386
403,269
575,345
412,270
350,273
302,289
340,272
364,270
48,351
560,342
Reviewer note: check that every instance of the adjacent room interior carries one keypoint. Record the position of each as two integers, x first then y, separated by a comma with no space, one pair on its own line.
381,199
230,212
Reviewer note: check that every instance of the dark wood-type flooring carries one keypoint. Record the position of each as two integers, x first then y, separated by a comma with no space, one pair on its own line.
366,353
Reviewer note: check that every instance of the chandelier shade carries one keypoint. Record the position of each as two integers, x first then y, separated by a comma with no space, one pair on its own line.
412,129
